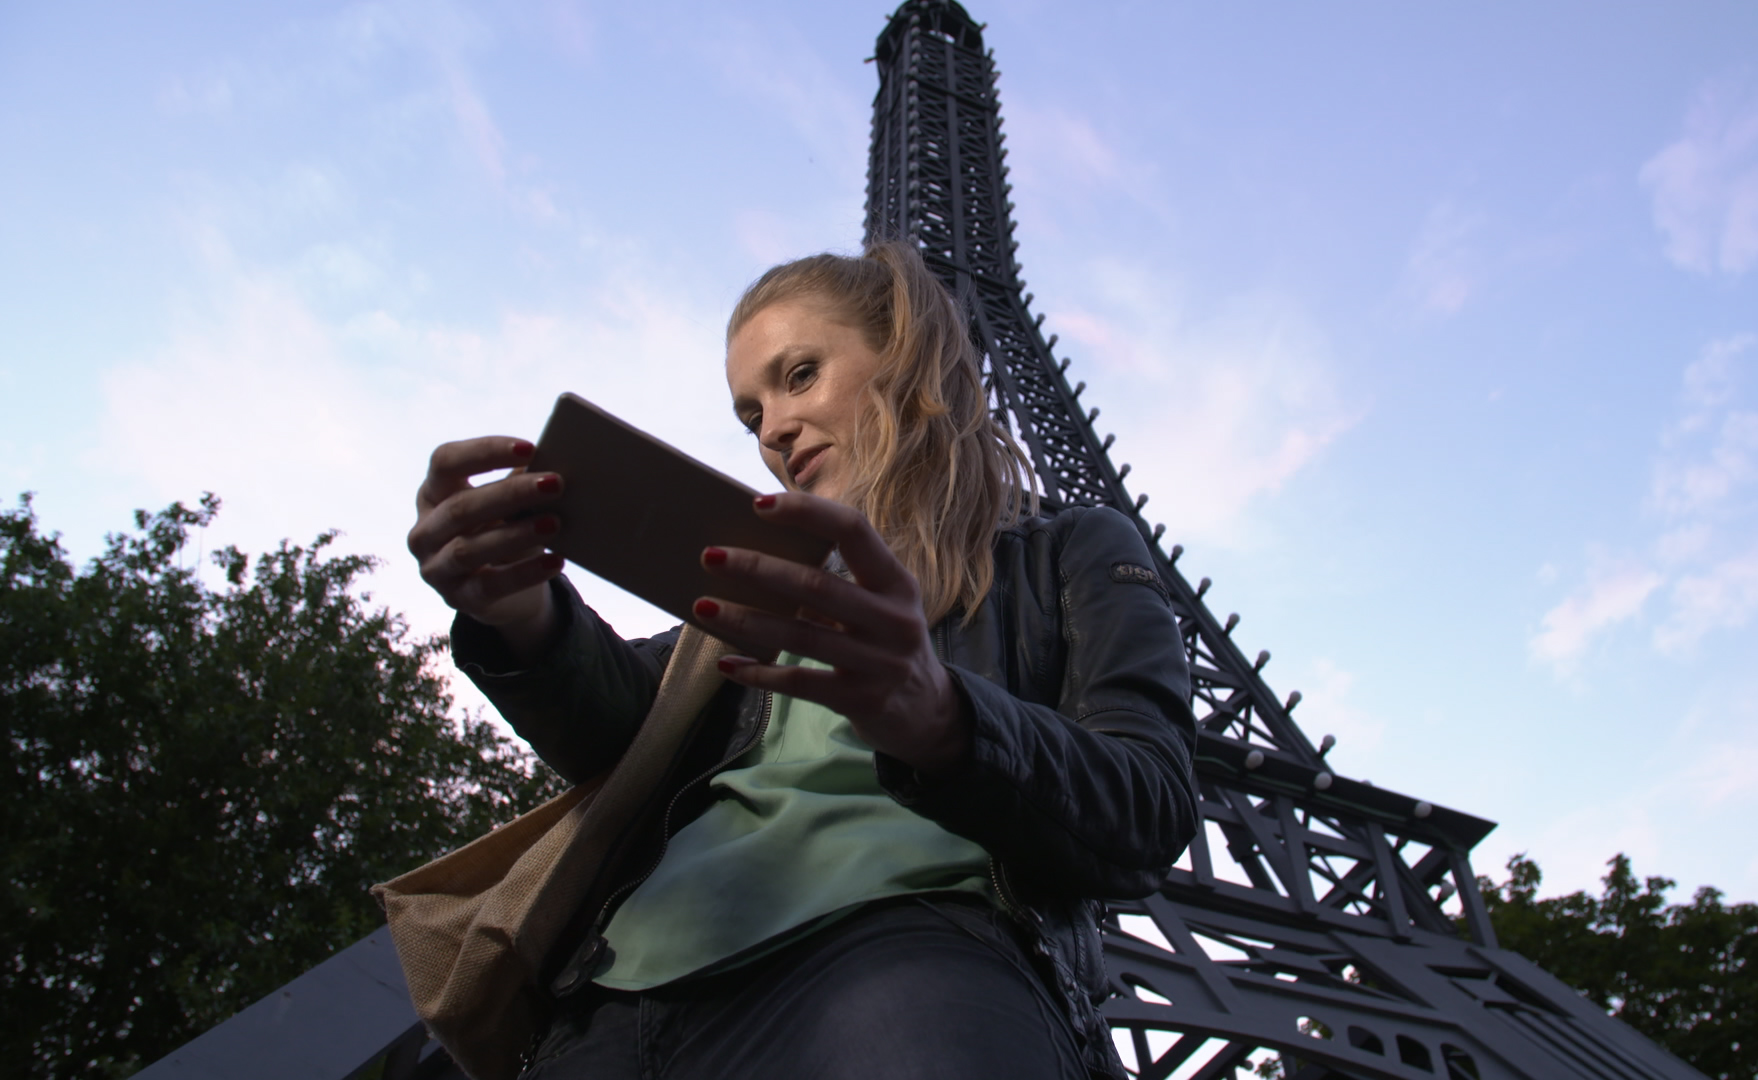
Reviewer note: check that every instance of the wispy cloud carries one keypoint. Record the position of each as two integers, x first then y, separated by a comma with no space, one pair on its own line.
475,123
1070,143
1704,185
570,28
1704,480
1722,597
772,67
1609,598
1063,156
444,38
770,236
773,64
1711,451
207,94
1702,496
1255,394
1442,272
304,422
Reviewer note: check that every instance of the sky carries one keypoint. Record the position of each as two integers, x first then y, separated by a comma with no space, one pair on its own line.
1430,331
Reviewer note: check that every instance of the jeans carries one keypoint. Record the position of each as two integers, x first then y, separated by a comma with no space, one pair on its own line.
932,988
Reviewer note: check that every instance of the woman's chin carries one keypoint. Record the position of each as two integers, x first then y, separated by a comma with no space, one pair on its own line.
824,488
816,483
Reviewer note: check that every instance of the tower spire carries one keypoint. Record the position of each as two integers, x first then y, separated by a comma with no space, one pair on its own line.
937,175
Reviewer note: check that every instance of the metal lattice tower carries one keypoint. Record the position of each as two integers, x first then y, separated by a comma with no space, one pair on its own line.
1327,924
1323,921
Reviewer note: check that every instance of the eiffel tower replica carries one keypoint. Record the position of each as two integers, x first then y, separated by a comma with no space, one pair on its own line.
1324,926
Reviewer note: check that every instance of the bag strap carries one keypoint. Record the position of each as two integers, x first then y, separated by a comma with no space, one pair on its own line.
577,882
692,676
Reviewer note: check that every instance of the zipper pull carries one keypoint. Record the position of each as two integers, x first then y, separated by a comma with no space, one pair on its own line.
575,973
1004,894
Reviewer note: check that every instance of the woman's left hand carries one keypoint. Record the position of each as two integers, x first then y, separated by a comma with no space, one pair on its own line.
871,631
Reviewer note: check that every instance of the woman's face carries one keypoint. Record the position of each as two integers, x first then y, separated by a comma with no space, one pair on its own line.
797,377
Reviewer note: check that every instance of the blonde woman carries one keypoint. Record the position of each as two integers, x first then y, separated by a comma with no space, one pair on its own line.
883,853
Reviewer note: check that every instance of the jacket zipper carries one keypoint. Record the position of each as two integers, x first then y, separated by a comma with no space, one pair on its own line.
1002,893
570,976
665,822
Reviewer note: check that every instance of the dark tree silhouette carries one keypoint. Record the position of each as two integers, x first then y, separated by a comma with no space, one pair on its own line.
1685,975
202,783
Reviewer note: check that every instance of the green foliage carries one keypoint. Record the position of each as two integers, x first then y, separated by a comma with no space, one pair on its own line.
1685,975
201,785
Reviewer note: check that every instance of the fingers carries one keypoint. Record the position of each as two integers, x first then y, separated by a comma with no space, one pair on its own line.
825,601
916,716
763,634
471,509
446,568
808,684
482,548
478,593
874,623
862,548
452,464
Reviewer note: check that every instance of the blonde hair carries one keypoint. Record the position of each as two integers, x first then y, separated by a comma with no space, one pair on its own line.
933,470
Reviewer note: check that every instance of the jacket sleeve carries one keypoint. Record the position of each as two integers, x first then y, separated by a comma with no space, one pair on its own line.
1094,797
578,704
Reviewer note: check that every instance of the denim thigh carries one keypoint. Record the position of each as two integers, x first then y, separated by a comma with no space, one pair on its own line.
932,988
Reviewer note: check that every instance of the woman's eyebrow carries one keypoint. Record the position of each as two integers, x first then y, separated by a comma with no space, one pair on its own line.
768,374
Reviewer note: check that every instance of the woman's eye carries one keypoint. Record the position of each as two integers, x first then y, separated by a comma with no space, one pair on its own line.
801,375
753,423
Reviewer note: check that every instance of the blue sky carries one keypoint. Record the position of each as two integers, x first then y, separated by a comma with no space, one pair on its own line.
1431,333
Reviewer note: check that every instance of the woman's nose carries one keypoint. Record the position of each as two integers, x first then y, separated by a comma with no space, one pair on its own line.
778,432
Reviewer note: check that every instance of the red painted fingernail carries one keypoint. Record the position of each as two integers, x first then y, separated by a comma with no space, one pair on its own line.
521,448
730,664
546,525
713,556
764,502
550,484
553,562
706,608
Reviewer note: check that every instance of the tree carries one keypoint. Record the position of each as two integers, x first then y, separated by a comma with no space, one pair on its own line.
1685,975
202,783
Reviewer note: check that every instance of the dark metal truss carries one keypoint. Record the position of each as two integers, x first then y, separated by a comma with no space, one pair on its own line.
1322,922
1318,920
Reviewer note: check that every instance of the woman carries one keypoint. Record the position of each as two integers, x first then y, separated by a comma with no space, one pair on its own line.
883,853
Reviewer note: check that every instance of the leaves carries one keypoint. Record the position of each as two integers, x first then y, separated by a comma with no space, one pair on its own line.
201,784
1685,975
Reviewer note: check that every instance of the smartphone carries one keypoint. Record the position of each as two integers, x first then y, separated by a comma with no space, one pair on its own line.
638,512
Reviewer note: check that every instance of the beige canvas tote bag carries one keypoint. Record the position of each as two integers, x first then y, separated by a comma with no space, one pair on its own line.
472,928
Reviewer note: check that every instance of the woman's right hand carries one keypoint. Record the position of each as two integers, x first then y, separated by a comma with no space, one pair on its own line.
475,551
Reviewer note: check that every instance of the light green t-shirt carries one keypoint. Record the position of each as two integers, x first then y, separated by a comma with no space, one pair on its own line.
799,832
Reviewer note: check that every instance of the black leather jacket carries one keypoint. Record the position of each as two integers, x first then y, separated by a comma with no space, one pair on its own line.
1079,778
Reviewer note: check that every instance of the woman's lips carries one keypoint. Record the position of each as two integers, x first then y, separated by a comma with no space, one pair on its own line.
807,465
